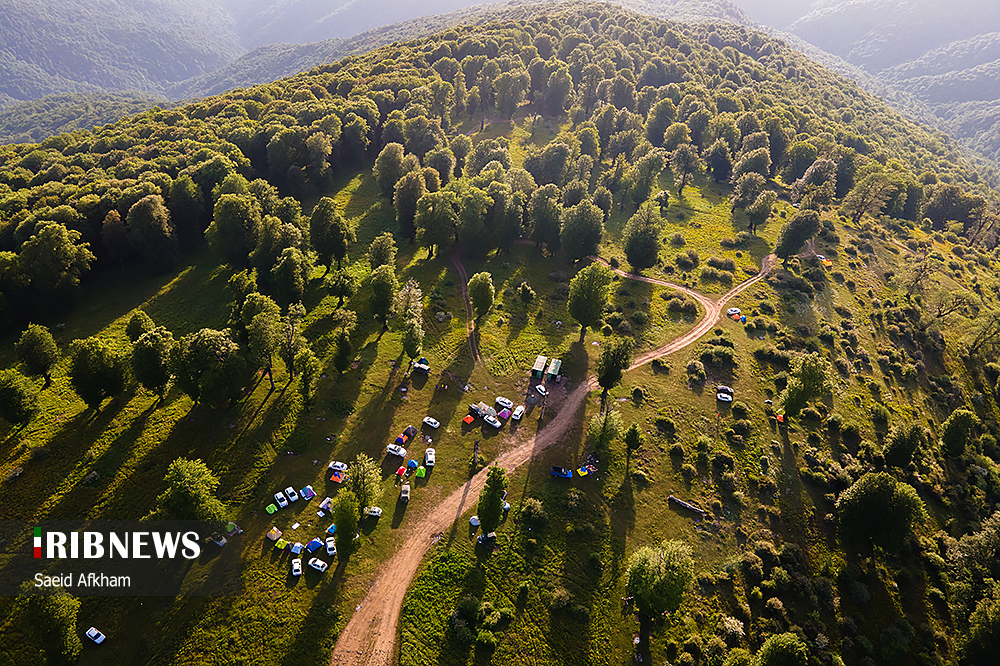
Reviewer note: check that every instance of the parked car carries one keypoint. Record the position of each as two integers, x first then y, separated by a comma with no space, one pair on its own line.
297,547
374,511
518,413
395,450
723,389
292,495
404,493
505,402
429,457
493,421
431,422
279,497
95,635
733,311
542,391
723,397
331,546
337,466
297,566
318,564
562,472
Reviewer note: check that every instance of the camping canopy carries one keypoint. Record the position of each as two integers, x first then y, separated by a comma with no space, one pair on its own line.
539,368
338,476
273,534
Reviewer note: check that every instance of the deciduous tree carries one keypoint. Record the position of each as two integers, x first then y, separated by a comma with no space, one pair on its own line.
18,398
97,371
589,295
38,350
190,494
490,510
151,360
658,577
481,293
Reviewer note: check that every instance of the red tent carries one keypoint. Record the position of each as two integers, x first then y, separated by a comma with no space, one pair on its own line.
401,471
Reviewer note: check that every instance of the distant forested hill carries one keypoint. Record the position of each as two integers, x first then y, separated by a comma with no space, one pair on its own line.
937,60
32,121
49,46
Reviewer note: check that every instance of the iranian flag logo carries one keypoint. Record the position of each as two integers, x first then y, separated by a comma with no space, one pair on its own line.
38,543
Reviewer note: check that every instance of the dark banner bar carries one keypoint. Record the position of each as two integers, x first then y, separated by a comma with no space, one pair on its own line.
120,558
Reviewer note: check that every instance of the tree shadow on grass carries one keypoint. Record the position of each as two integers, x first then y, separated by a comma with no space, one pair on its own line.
316,633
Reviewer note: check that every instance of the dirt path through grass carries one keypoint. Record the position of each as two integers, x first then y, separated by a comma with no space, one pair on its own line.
470,316
370,636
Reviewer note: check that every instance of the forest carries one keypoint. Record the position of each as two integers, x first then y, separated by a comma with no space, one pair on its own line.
200,302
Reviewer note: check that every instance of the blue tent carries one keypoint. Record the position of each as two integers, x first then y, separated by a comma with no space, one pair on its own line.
314,545
413,464
331,530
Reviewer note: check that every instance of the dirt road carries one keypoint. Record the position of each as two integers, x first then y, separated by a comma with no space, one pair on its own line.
370,636
470,316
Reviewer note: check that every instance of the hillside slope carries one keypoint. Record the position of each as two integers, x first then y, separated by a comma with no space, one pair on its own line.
293,244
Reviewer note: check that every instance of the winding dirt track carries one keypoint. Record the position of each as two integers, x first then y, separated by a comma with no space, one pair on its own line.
370,635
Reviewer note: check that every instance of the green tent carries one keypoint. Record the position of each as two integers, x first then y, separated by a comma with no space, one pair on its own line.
421,472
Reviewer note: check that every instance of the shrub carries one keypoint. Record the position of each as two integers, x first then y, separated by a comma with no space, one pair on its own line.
533,513
677,240
696,371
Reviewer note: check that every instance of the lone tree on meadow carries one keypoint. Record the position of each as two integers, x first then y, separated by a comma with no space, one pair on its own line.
803,226
612,364
190,494
38,351
382,251
589,293
18,398
365,481
878,510
481,293
582,228
345,516
329,233
490,509
684,163
634,438
384,286
97,371
641,238
48,621
151,360
658,577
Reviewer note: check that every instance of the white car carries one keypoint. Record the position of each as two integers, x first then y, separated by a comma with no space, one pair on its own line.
518,413
318,564
279,497
331,546
432,422
337,466
95,635
723,397
493,421
396,450
297,566
429,457
404,493
292,495
374,511
733,311
505,402
542,391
